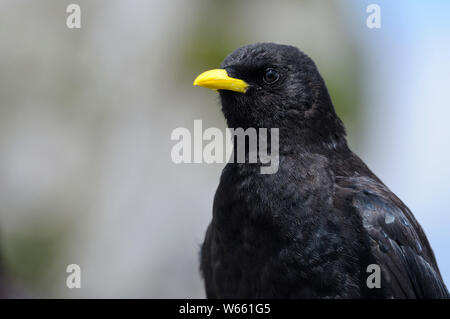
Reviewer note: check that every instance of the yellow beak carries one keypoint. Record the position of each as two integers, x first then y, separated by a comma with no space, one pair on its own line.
218,79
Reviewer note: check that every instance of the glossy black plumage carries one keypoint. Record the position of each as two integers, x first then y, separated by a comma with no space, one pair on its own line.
311,229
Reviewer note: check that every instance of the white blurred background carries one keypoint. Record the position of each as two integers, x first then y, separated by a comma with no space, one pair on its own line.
86,115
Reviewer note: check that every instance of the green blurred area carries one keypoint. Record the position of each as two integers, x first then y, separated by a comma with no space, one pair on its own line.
33,251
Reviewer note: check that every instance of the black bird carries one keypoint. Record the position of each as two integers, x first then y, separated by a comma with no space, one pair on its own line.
311,229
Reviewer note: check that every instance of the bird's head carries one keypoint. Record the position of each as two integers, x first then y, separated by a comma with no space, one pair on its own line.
271,85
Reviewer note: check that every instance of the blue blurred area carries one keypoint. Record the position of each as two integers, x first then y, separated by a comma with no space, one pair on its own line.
407,141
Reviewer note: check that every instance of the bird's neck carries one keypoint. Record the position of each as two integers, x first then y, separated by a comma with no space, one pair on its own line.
287,142
315,141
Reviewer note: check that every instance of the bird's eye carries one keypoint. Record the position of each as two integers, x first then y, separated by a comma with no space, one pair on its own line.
271,76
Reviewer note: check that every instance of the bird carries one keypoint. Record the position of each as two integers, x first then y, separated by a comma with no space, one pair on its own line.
315,227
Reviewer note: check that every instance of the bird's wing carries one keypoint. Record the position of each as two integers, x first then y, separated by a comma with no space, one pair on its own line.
396,240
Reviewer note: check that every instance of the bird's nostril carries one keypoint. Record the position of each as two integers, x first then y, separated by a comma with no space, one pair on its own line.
231,72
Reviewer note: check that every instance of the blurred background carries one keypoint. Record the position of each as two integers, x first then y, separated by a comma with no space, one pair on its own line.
86,115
